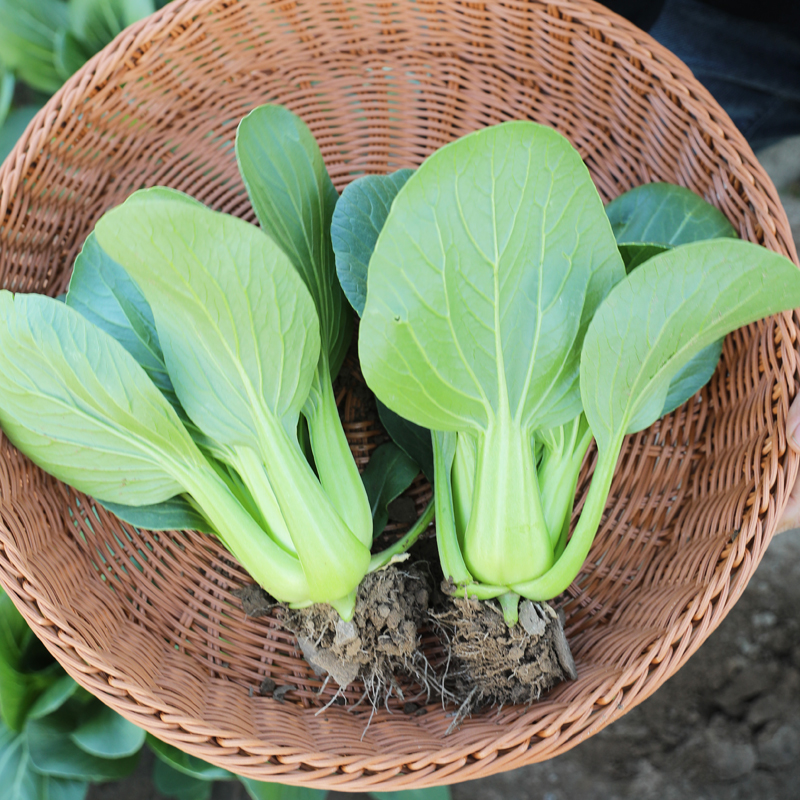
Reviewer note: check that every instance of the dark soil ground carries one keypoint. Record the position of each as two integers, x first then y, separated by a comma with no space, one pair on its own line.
725,727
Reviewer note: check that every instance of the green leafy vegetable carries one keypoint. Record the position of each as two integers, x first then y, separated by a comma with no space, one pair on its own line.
413,440
175,514
184,763
494,261
357,220
106,734
261,790
294,199
173,783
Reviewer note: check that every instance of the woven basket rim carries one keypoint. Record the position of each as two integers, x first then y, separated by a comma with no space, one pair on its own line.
489,752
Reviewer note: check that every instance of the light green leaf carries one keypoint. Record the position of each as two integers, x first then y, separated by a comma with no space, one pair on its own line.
76,403
184,763
662,315
97,22
260,790
105,734
293,197
53,697
434,793
388,474
489,267
70,54
52,752
175,514
693,376
13,128
173,783
413,440
357,220
240,338
662,213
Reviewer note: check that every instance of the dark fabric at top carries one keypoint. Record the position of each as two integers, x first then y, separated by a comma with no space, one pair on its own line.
640,12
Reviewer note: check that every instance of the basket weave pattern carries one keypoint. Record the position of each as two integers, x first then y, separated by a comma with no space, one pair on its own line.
147,621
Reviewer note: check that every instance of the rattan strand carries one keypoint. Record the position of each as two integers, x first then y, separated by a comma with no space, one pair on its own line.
147,622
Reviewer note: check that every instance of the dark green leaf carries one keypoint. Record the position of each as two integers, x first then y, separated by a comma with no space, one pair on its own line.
413,440
357,220
184,763
97,22
14,127
54,753
70,54
693,376
173,783
53,697
663,213
107,296
638,252
388,474
176,514
294,198
259,790
106,734
434,793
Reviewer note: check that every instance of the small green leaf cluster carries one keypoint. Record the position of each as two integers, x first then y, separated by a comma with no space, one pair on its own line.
186,381
505,310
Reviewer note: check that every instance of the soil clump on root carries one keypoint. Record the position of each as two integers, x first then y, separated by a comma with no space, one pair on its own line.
494,665
380,642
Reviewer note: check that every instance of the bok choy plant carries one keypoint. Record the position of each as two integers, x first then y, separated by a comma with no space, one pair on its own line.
171,383
499,315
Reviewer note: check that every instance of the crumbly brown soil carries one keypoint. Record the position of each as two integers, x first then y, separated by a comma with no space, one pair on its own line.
492,664
380,643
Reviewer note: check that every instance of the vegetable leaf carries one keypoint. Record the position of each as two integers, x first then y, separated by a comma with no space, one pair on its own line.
357,220
175,514
636,253
186,764
662,315
173,783
413,440
293,197
262,790
78,405
469,313
388,474
53,697
663,213
52,752
106,734
433,793
13,128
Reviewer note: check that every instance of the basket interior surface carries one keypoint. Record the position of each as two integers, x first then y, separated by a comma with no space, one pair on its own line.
148,621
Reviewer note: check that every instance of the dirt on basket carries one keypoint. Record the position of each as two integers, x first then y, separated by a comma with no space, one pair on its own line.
380,643
492,664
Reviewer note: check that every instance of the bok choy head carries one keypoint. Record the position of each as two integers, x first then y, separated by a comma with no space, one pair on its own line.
499,315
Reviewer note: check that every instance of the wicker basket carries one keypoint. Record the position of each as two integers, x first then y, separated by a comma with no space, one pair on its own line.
147,622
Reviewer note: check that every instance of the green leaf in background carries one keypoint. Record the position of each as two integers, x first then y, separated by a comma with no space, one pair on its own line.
388,474
175,514
52,752
357,220
412,439
662,213
14,127
173,783
106,734
293,197
434,793
53,697
184,763
97,22
7,84
103,292
19,780
28,36
70,54
21,682
260,790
